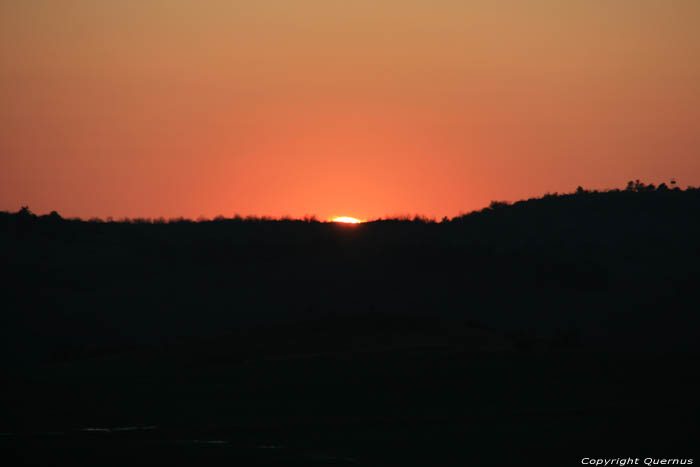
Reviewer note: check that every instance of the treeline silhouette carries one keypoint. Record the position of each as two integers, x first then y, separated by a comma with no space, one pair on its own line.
614,268
537,332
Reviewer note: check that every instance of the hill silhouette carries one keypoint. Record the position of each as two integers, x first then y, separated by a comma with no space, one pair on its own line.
616,265
565,281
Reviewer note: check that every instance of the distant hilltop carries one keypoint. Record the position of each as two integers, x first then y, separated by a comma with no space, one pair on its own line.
635,186
614,268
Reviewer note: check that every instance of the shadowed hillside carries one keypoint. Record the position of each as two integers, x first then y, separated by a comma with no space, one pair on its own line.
614,267
540,290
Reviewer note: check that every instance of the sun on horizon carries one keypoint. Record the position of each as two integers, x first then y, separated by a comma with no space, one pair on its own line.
346,220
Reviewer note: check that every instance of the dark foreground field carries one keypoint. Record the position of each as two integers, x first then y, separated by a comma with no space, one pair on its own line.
403,407
537,334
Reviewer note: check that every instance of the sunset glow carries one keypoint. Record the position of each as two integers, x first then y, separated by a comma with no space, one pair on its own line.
346,220
279,107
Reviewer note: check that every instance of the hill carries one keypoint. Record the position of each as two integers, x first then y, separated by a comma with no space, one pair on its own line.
343,343
618,267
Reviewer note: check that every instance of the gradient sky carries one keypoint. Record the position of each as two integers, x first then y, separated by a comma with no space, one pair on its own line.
364,108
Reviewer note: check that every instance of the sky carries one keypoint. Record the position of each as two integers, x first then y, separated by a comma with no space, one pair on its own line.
369,108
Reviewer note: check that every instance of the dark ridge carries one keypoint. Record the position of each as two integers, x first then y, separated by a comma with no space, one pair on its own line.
615,266
568,317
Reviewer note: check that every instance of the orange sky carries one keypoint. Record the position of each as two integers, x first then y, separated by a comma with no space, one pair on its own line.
367,108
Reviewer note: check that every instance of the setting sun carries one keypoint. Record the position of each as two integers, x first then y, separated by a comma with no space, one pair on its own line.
346,220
